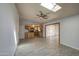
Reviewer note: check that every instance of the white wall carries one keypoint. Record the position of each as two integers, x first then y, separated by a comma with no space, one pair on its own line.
9,28
69,31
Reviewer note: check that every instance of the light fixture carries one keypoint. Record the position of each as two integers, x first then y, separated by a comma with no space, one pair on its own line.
48,5
51,6
33,25
56,8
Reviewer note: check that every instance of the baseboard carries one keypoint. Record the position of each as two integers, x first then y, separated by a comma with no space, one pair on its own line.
70,46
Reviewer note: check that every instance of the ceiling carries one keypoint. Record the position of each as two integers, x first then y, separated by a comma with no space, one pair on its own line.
28,11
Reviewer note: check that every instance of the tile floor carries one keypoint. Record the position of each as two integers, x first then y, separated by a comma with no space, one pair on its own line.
43,47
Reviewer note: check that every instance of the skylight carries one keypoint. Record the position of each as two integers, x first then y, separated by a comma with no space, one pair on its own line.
51,6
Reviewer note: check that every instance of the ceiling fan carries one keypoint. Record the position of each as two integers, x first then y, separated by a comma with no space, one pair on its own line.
42,15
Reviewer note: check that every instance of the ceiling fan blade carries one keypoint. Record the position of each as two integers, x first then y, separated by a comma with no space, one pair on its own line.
41,13
45,18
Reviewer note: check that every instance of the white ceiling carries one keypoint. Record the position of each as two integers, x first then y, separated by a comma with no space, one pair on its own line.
28,11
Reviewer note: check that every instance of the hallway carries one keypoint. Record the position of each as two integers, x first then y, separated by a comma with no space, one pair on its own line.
44,47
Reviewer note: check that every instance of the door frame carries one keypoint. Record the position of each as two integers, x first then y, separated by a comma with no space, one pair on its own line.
58,31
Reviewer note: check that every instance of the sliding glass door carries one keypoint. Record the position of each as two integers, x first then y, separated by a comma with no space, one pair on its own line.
52,32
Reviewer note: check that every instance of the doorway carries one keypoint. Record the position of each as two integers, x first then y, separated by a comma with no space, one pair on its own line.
34,31
52,32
